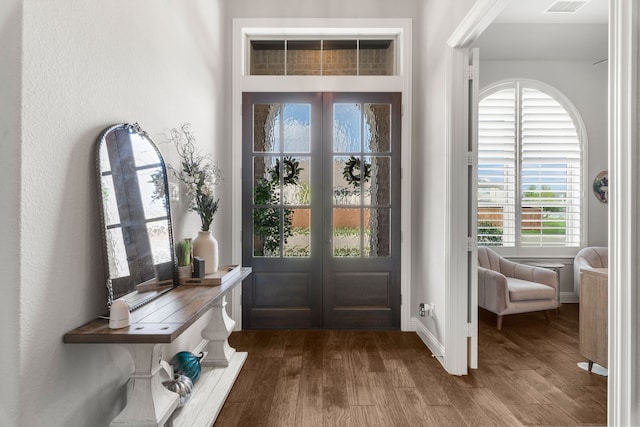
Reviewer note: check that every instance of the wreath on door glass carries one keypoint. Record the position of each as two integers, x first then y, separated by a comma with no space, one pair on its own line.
291,170
352,165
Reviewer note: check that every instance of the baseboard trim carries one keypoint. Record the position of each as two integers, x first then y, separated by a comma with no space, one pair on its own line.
569,298
428,339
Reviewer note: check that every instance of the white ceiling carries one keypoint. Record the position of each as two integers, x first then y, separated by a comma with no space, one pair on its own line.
532,11
524,32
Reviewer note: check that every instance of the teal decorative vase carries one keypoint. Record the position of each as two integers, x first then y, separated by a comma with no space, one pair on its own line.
188,364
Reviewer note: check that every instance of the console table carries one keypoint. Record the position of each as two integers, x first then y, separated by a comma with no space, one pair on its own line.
160,322
593,315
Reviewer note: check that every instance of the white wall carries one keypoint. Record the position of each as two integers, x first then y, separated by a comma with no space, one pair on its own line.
10,79
89,64
323,9
585,85
429,151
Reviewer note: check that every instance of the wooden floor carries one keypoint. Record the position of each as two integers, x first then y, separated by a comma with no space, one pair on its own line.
528,376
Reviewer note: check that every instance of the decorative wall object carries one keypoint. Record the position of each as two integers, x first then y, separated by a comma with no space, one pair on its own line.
601,186
135,216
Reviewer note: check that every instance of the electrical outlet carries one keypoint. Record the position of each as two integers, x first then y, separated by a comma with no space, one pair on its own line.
429,309
422,310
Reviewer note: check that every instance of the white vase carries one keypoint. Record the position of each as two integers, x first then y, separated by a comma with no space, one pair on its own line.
205,246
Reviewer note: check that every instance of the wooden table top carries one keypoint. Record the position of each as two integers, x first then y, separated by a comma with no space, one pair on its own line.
161,320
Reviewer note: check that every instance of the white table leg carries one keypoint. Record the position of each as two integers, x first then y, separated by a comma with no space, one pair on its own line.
149,403
217,333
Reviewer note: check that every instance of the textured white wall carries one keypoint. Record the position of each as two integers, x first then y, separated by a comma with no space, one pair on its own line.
323,9
89,64
586,87
428,224
10,75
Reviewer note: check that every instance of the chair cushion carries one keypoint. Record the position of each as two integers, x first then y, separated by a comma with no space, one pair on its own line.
523,290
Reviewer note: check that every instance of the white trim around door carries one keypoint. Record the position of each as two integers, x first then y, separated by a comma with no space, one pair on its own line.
624,200
400,29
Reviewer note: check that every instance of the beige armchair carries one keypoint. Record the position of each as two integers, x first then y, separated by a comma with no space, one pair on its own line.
507,287
588,258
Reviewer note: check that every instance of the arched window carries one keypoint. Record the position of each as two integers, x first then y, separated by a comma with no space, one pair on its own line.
530,163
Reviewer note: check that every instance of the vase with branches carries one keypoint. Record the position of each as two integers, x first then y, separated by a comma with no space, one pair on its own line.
200,175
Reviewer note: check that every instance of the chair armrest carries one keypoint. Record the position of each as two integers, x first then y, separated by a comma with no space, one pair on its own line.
493,292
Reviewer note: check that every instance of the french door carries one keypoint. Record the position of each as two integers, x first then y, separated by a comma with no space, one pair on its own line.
321,210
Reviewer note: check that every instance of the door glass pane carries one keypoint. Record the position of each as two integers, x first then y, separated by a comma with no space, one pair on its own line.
346,128
377,232
297,231
118,264
266,184
158,232
377,129
266,196
151,183
346,232
266,232
297,128
266,128
296,173
377,189
111,213
362,172
346,180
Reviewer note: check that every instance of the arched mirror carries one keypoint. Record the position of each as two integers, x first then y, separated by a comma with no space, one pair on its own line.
136,218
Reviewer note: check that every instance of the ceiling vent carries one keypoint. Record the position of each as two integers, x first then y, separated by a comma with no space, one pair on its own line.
564,6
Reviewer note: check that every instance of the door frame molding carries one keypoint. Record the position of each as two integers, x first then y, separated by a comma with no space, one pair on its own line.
456,357
401,29
624,199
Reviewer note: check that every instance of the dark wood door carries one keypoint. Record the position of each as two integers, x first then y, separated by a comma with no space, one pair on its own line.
361,210
321,210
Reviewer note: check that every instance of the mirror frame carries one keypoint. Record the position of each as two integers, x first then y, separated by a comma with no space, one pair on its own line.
136,296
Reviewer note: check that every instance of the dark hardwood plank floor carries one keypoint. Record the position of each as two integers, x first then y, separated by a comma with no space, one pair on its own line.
528,376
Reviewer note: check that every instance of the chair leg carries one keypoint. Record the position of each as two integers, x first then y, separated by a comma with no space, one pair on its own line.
546,316
499,322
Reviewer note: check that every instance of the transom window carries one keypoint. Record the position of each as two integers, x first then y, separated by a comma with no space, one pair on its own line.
530,162
322,57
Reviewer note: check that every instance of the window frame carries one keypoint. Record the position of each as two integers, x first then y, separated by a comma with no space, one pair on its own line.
547,251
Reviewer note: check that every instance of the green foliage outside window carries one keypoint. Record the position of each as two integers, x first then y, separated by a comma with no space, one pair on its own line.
488,234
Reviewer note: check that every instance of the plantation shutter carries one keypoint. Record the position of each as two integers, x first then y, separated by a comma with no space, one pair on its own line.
497,168
550,172
529,169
